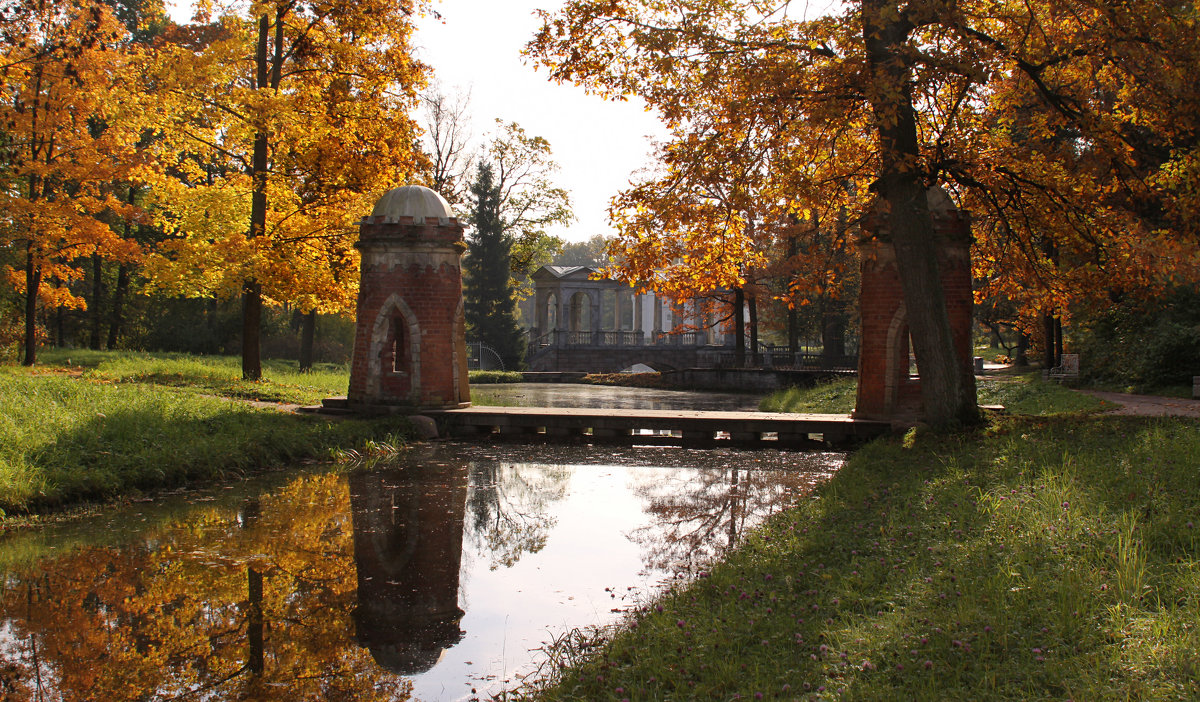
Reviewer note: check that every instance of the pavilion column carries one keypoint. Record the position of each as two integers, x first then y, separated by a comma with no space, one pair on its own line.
658,315
540,316
597,315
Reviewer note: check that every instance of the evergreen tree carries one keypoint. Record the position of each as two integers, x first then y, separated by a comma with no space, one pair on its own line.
489,304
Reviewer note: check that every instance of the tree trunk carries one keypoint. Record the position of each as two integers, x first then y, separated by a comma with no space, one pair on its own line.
739,328
793,315
96,303
60,319
118,306
251,330
33,281
947,392
833,335
1022,358
1058,340
1049,360
251,511
252,289
308,331
755,359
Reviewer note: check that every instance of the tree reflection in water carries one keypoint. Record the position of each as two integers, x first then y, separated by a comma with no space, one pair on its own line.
509,508
698,515
319,590
170,616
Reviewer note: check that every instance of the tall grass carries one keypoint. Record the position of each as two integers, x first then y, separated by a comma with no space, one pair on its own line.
1046,558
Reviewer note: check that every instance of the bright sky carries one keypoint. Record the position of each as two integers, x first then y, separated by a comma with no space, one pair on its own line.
597,144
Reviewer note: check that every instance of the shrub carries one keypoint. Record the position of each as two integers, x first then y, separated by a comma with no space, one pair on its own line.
1143,344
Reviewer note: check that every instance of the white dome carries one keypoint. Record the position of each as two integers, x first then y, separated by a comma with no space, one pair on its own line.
414,201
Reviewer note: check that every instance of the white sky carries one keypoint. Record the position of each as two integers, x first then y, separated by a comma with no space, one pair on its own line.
597,144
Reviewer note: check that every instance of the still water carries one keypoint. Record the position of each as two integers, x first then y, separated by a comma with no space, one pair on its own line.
573,395
436,576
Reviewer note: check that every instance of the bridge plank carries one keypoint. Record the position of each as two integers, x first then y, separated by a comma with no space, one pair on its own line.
568,423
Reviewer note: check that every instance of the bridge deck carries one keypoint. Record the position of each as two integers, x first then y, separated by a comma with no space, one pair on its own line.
665,427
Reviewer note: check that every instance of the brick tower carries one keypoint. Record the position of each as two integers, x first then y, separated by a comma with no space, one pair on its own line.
887,390
410,342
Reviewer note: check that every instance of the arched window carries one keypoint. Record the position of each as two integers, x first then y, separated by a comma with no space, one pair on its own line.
395,345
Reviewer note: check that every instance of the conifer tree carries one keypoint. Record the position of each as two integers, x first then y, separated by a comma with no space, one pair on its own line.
489,304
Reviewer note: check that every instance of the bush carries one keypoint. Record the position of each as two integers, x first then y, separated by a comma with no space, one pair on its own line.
1143,344
486,377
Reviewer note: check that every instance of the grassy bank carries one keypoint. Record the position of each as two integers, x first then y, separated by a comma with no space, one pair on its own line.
216,375
1018,393
1046,557
112,425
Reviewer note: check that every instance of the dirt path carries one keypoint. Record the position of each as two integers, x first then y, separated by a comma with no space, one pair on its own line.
1148,405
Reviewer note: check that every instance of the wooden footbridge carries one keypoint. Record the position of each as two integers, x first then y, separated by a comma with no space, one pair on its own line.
658,427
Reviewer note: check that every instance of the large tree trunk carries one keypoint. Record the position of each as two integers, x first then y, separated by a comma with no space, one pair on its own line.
252,289
95,305
308,332
946,392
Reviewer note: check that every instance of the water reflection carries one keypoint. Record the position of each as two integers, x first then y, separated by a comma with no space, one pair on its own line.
426,579
408,529
610,397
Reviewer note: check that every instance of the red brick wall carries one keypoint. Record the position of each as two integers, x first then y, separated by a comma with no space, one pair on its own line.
419,265
885,390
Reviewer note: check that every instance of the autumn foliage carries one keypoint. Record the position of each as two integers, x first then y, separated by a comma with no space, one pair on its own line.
1067,128
251,139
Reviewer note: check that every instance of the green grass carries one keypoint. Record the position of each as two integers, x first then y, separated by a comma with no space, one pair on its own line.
117,424
1045,558
216,375
833,397
484,377
1020,394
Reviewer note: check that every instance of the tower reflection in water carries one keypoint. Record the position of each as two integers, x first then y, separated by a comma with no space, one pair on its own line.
408,534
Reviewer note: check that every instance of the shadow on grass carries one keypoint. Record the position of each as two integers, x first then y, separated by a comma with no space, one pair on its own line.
1053,558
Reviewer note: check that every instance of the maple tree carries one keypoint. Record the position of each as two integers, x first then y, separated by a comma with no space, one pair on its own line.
70,115
892,98
287,120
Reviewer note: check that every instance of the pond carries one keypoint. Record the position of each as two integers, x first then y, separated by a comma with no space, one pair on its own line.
437,576
613,397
